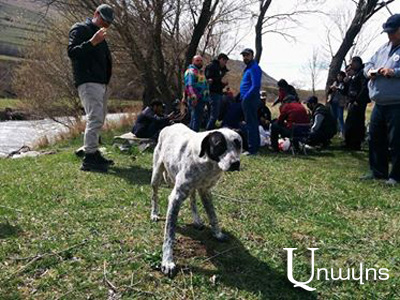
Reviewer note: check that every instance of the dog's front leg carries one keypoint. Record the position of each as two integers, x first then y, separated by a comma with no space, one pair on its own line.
174,203
206,198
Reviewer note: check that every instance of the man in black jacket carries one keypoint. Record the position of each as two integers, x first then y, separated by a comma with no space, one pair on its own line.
91,64
358,99
151,121
215,71
323,127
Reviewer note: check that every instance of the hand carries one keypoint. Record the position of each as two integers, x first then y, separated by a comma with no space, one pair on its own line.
99,36
387,72
224,82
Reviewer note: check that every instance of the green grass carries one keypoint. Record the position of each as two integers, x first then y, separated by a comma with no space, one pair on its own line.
60,226
9,102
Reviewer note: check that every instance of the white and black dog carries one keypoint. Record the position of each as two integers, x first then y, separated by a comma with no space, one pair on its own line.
191,162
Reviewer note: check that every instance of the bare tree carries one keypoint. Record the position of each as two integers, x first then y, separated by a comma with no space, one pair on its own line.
313,68
365,9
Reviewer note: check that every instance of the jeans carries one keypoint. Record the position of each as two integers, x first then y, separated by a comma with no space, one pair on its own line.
250,107
337,112
94,100
384,143
196,114
215,105
355,126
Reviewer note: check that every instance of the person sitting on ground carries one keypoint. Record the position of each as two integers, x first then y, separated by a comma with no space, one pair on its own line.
291,112
323,127
286,92
151,121
264,114
233,118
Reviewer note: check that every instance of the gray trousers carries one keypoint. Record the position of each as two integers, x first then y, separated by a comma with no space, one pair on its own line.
94,98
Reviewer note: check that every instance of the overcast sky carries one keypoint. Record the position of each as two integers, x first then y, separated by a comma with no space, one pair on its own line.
286,59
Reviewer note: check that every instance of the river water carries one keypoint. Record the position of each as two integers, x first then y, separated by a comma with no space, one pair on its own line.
15,134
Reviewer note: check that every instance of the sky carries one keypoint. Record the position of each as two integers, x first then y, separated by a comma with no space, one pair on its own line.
287,59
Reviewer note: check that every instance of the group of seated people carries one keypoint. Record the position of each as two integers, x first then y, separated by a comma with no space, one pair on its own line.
319,121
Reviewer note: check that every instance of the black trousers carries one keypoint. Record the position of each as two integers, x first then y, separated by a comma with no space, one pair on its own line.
355,126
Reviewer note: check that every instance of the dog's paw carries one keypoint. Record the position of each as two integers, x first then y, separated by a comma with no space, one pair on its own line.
155,217
168,268
221,237
199,225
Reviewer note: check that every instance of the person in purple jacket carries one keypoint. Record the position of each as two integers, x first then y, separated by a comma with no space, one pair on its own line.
250,94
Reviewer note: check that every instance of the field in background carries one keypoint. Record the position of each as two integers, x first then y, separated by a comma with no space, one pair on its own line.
67,234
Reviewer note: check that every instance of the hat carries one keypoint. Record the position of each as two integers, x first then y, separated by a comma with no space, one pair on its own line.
392,23
311,100
247,51
106,12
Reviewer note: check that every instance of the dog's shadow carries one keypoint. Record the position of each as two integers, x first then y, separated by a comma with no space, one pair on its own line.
237,268
7,230
135,175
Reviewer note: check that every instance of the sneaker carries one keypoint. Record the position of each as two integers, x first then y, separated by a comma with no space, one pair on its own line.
368,176
391,182
102,159
93,162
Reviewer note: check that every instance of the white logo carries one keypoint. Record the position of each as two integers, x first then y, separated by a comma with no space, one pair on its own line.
363,274
396,57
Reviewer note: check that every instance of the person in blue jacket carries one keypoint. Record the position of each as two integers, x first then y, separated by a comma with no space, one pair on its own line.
383,70
250,94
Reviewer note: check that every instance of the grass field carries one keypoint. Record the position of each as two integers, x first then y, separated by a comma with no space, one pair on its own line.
9,102
67,234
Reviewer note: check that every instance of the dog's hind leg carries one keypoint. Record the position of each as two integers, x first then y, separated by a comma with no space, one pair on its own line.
197,222
156,178
175,200
206,198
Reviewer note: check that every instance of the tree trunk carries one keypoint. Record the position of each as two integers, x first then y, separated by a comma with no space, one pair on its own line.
259,27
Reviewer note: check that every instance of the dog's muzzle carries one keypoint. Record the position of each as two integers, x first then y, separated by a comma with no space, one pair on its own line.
235,166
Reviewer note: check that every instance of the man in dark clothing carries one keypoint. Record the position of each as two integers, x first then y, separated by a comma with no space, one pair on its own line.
358,100
91,65
285,92
264,114
323,127
291,112
214,72
151,121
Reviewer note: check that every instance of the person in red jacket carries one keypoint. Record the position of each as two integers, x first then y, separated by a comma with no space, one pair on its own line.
291,112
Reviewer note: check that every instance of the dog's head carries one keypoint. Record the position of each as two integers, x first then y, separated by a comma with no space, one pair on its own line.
224,147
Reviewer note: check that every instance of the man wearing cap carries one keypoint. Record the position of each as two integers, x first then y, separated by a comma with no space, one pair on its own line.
215,72
323,124
383,69
91,64
196,91
250,95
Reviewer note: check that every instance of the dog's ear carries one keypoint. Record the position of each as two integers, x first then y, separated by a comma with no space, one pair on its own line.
243,135
205,145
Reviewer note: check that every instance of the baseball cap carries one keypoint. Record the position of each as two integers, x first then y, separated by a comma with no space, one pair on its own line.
106,12
247,51
311,100
392,23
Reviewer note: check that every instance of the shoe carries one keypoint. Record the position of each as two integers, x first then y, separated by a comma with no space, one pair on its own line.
102,159
391,182
368,176
94,162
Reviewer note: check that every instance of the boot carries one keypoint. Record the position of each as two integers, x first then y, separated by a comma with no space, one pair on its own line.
94,162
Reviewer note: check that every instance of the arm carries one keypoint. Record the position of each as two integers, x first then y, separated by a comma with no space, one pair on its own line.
77,46
255,75
319,118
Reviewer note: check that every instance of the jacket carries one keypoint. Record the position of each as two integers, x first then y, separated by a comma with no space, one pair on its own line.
293,112
382,90
251,81
358,88
323,121
216,73
148,123
89,63
196,86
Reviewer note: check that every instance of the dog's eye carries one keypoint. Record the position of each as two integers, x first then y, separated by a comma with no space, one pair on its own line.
237,143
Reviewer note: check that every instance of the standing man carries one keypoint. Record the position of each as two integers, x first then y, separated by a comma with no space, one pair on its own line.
250,94
196,91
215,71
358,99
384,88
91,64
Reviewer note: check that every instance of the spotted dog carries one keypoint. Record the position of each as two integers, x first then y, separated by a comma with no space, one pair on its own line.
191,162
